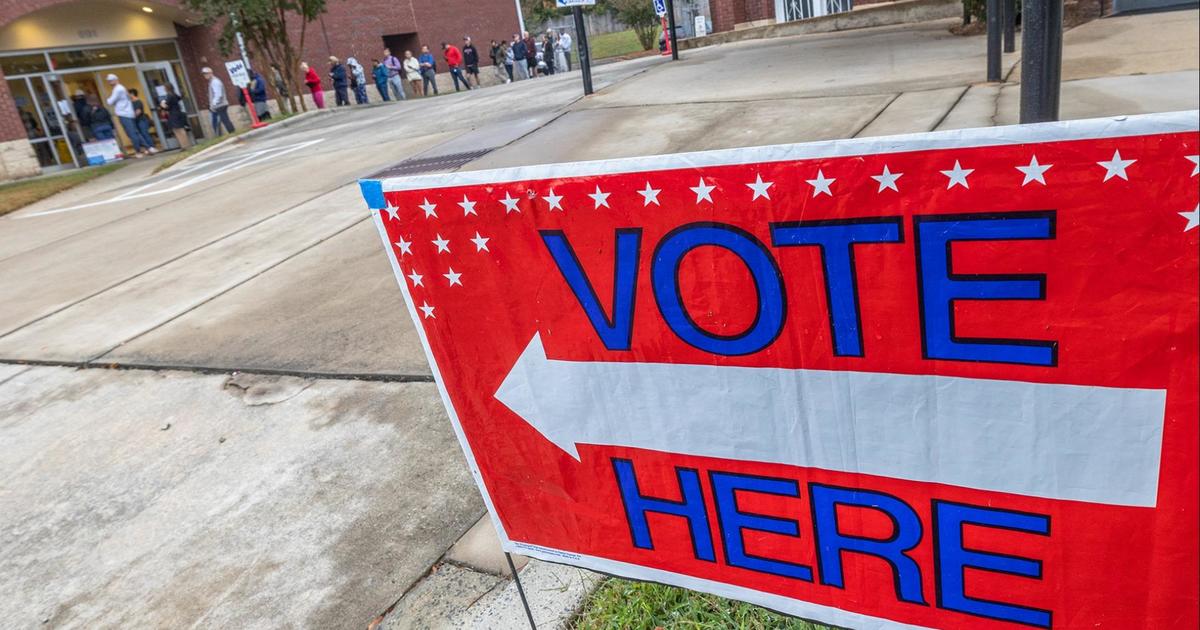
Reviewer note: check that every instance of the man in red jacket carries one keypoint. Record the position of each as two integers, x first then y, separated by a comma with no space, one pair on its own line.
454,59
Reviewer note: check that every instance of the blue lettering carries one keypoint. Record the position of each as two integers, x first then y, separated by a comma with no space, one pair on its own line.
836,240
906,534
939,287
948,520
615,332
771,303
733,521
692,508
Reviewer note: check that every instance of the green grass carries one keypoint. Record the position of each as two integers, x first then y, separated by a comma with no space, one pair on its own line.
625,605
19,194
615,44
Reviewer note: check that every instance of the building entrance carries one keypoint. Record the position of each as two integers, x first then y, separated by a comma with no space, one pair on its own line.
56,93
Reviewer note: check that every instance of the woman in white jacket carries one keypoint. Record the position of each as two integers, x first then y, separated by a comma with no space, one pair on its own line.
412,72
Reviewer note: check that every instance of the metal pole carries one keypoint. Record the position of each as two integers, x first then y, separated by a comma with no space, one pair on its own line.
1041,60
994,15
671,25
585,57
1010,25
520,590
1053,80
520,17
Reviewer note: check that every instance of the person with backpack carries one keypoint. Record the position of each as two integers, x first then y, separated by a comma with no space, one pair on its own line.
499,66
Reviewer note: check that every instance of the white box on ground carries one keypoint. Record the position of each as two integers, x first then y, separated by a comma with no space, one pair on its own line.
701,26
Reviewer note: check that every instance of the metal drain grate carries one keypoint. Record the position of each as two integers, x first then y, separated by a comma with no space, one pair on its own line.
433,164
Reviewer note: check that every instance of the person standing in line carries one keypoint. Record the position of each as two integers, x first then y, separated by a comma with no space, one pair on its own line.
141,120
123,108
565,41
498,62
470,60
520,66
218,103
428,70
395,70
560,54
258,95
337,74
530,54
172,107
358,81
101,122
313,81
548,51
508,61
412,73
454,60
380,74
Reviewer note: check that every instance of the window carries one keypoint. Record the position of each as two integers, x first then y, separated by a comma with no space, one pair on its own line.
163,51
23,64
91,57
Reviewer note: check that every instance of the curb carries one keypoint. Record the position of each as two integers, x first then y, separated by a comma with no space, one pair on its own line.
892,13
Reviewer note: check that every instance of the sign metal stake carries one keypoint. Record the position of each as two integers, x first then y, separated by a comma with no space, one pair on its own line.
520,590
585,57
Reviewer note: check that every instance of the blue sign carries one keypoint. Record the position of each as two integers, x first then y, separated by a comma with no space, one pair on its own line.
660,7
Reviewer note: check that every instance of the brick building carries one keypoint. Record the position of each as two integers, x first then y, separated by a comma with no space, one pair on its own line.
55,53
728,15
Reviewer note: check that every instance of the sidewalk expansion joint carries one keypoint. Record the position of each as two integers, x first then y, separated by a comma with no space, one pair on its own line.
207,370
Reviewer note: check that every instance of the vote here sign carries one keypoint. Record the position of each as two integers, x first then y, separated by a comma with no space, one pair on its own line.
941,380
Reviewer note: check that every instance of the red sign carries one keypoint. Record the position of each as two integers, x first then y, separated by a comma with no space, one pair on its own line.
942,380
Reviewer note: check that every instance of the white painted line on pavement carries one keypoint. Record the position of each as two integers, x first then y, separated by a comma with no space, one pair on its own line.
150,189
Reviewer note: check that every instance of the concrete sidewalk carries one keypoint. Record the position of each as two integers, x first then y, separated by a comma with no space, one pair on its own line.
320,485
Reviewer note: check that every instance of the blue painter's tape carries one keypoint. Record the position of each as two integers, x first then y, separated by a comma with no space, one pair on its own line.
372,192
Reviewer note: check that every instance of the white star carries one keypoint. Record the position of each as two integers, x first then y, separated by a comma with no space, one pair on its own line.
821,184
481,243
958,176
600,198
703,191
1034,172
510,203
650,195
405,246
453,277
428,208
1116,167
887,179
415,277
1194,159
760,187
443,245
554,200
1192,217
468,206
428,310
392,212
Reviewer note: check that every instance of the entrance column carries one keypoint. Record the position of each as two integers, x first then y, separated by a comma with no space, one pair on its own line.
17,158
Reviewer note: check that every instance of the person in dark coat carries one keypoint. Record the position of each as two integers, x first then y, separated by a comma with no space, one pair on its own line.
102,127
530,54
258,95
337,73
380,73
171,108
471,60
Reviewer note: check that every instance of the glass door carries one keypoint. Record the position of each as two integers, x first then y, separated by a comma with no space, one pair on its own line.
155,77
70,145
42,126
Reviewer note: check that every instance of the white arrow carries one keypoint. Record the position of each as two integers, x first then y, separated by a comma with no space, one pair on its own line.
1073,442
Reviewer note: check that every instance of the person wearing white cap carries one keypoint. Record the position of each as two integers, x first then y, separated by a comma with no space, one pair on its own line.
218,103
123,107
